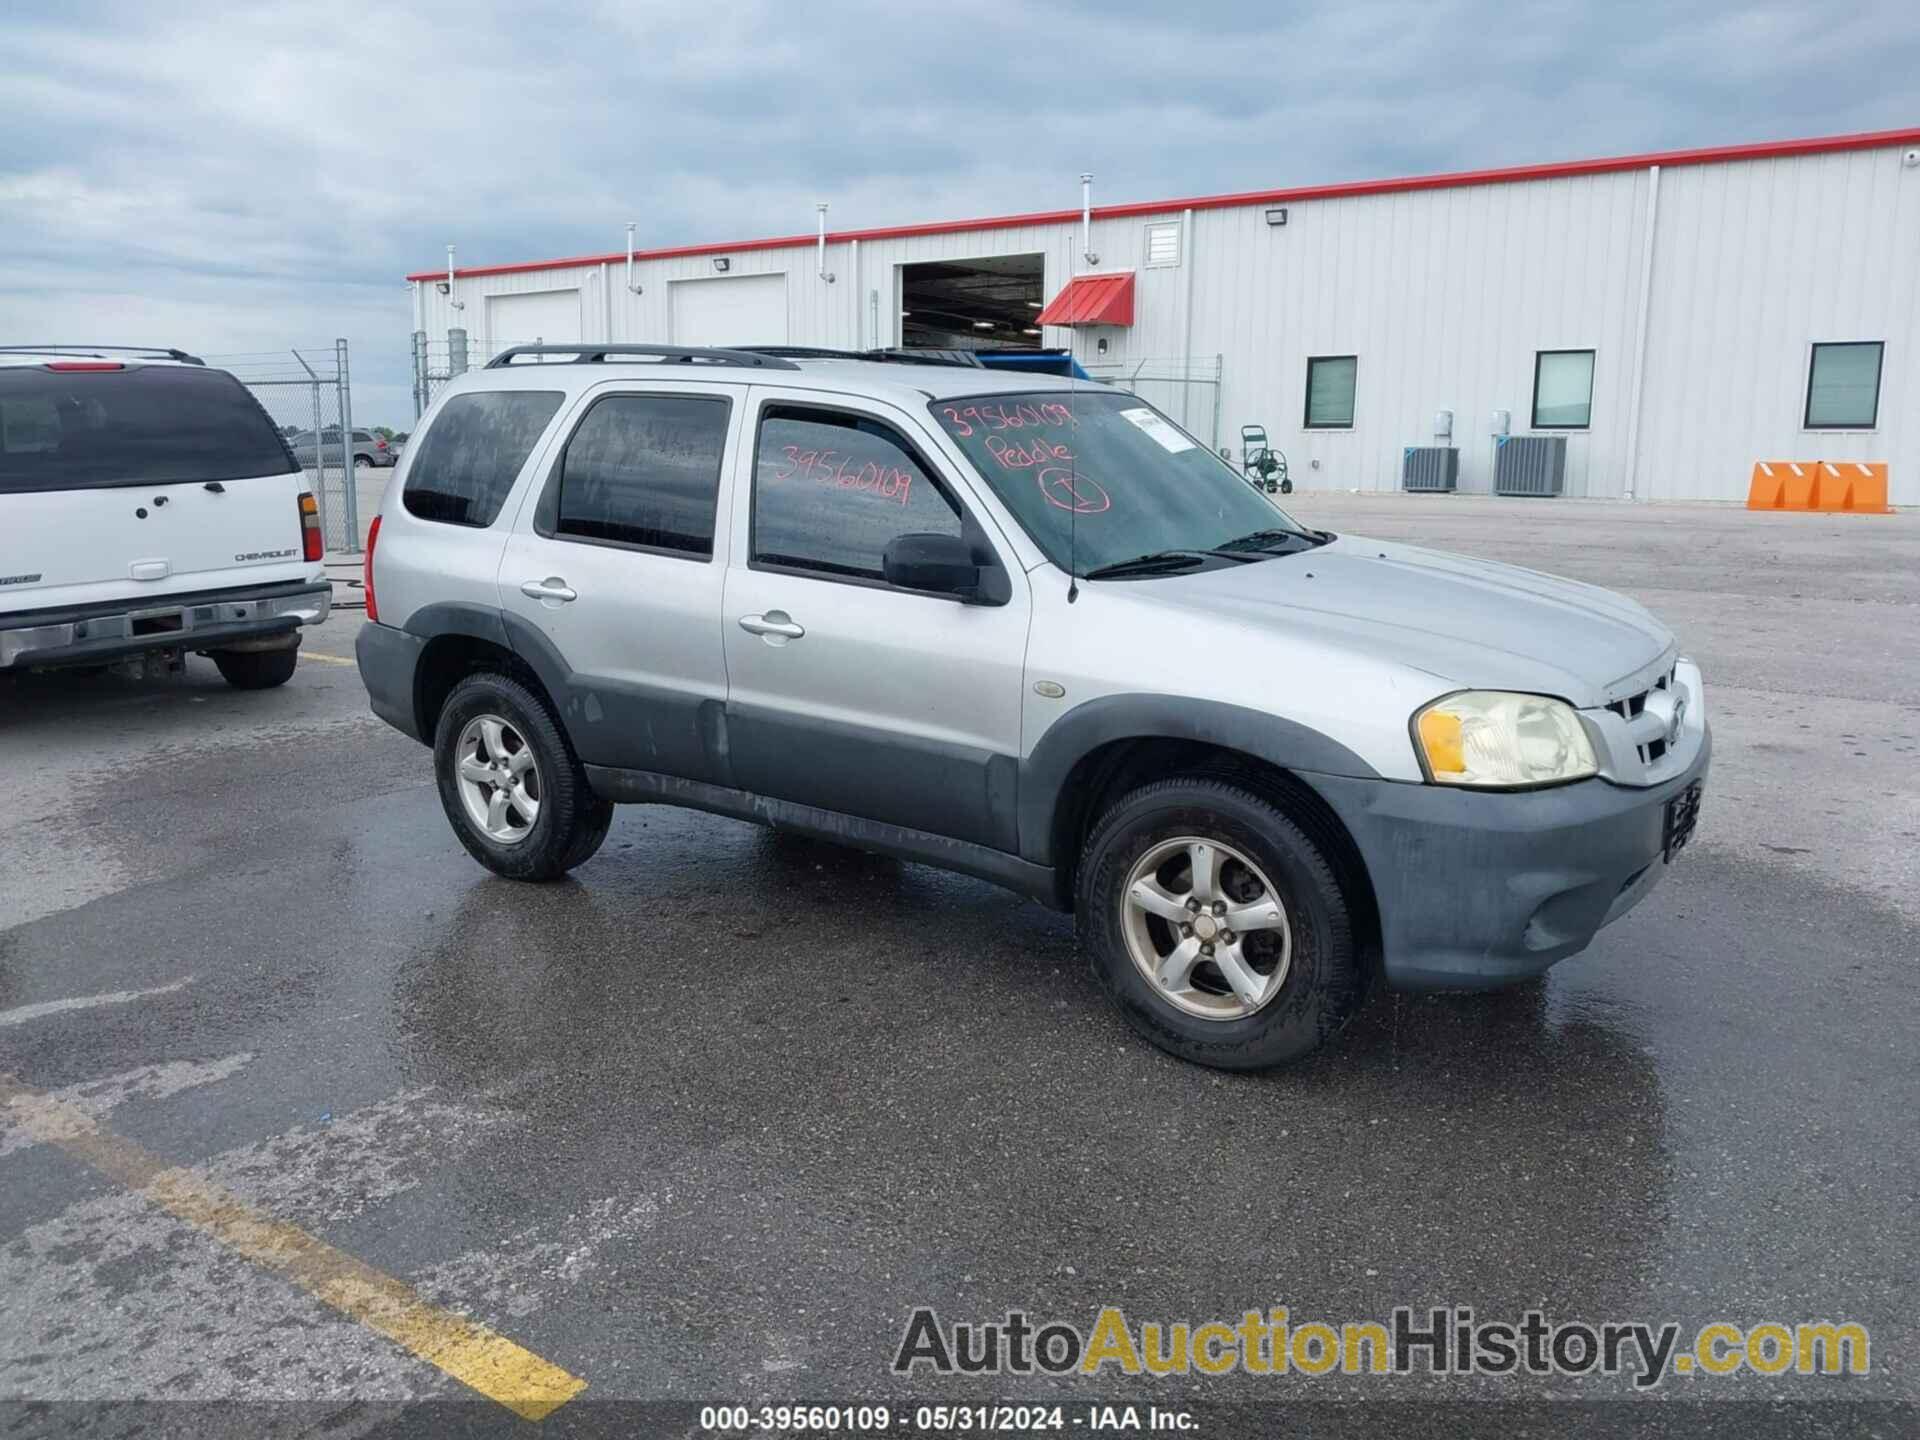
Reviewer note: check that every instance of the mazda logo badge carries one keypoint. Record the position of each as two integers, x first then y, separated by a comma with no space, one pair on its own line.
1679,718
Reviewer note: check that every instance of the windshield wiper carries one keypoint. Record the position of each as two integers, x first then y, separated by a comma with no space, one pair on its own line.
1242,550
1154,563
1260,540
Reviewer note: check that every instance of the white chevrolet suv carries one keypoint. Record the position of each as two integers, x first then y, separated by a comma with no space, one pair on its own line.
149,508
1030,630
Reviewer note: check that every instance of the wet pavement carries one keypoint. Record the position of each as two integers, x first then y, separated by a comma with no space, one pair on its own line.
707,1121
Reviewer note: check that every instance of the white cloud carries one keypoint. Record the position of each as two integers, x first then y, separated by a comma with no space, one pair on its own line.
242,178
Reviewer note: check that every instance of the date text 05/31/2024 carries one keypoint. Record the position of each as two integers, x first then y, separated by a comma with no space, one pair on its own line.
942,1419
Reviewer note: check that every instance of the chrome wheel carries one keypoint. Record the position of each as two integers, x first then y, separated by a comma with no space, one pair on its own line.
498,779
1206,927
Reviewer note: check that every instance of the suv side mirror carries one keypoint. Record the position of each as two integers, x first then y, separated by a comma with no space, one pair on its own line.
943,564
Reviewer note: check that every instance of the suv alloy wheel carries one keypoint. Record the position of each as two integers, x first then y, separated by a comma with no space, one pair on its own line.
1216,925
511,785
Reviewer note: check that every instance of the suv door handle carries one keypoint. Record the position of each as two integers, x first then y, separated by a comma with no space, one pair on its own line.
551,588
774,622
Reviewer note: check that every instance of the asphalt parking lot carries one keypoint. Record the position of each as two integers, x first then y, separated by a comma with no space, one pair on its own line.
707,1121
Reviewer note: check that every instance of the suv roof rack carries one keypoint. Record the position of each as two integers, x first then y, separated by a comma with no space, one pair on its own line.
662,354
891,355
157,352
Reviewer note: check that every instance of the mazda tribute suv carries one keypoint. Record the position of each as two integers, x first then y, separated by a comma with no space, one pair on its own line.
1027,629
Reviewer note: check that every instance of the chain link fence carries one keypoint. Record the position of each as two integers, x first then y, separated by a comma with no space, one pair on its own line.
305,391
436,361
1185,387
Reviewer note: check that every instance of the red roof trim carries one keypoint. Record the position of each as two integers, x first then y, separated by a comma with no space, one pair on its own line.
1092,300
1719,154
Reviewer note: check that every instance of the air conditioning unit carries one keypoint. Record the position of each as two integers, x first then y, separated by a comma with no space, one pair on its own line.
1530,465
1430,467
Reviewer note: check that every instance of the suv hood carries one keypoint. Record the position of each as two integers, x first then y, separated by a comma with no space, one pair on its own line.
1474,623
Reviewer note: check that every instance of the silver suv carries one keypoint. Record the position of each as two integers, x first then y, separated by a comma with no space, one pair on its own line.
1030,630
316,448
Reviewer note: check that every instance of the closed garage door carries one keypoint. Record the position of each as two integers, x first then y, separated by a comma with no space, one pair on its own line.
549,315
733,310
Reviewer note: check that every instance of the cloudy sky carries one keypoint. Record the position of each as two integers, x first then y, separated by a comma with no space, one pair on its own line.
245,177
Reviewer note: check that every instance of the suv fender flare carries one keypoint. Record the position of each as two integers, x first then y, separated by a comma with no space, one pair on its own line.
425,625
430,622
1284,743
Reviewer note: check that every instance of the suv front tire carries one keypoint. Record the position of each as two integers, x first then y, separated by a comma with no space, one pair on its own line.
512,788
1217,926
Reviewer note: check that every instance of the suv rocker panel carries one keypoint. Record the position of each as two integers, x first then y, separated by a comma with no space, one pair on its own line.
980,861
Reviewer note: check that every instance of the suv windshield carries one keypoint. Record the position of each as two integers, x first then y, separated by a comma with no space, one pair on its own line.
69,429
1103,475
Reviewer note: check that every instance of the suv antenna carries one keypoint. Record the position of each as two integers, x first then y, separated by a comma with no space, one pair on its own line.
1073,488
1073,463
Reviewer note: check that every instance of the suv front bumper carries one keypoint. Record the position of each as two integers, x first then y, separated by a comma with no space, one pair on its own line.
1479,889
203,620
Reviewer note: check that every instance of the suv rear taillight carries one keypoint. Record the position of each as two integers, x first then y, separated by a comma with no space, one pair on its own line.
366,571
379,443
311,545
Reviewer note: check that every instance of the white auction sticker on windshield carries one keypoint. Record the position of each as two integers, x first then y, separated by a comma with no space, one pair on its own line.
1170,439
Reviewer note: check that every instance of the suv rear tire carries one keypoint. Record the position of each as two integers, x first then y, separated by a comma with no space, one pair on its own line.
498,754
256,669
1168,872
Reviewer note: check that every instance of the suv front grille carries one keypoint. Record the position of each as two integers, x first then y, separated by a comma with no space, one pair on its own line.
1633,706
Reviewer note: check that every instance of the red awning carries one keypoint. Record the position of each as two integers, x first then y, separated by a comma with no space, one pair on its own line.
1092,300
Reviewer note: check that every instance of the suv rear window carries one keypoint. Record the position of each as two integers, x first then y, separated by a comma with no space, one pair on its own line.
473,453
643,470
144,425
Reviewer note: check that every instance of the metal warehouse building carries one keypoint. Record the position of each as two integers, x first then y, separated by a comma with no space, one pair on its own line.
1676,317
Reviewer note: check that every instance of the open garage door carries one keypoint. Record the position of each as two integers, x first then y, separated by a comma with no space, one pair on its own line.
989,304
730,310
552,316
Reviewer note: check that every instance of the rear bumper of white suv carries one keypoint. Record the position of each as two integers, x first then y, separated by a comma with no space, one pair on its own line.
201,620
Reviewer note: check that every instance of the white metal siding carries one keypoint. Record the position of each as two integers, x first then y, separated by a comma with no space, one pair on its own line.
1445,295
1753,263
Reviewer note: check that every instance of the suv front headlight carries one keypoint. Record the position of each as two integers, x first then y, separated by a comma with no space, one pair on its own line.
1499,740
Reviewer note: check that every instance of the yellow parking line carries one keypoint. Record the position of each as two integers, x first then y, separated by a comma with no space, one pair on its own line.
472,1354
326,659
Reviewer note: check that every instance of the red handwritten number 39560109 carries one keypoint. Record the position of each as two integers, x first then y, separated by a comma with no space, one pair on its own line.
1065,490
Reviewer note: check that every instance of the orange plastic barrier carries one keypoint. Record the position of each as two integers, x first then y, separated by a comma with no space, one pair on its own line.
1851,485
1781,485
1840,486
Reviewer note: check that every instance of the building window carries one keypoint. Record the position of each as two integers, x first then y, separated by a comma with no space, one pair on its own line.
1843,386
1562,389
1330,384
1163,244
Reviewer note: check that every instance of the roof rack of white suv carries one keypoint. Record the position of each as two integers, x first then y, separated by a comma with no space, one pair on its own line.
663,354
156,352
